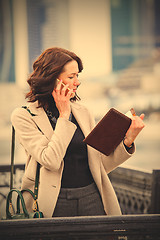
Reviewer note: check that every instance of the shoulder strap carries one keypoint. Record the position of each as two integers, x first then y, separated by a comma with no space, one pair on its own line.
12,162
12,157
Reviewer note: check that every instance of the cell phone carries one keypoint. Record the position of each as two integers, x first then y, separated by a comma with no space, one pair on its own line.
63,84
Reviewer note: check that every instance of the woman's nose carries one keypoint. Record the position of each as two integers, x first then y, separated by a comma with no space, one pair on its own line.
77,82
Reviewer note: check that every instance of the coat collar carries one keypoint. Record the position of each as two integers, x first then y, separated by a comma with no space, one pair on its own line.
79,113
42,121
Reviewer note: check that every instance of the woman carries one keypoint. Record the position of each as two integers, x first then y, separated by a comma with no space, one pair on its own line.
73,176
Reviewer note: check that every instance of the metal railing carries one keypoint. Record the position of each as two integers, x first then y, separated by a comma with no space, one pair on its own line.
127,227
138,192
5,183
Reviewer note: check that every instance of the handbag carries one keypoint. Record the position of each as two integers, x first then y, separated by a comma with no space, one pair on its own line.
20,199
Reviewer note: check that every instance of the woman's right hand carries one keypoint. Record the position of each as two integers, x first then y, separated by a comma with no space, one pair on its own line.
62,97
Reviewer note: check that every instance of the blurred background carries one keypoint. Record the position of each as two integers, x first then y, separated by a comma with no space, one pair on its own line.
119,44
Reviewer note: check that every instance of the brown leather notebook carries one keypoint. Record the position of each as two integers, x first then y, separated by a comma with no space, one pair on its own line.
109,132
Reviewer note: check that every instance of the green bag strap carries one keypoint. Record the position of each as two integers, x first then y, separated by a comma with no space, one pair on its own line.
12,170
8,214
35,204
36,181
12,157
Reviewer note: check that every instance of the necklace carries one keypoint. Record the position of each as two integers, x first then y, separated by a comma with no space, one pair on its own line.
50,115
53,118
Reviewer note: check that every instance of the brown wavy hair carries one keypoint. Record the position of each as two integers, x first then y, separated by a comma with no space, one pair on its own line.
46,70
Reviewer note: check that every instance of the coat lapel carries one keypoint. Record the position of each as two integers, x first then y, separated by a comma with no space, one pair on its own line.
81,117
41,119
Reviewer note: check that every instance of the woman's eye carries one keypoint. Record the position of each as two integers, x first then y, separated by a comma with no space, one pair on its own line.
73,76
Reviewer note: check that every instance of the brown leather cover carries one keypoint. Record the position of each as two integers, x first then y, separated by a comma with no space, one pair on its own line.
109,132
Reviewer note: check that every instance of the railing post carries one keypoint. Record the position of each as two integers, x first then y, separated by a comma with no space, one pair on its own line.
155,194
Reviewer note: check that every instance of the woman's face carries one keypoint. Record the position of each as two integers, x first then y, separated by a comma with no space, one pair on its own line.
69,75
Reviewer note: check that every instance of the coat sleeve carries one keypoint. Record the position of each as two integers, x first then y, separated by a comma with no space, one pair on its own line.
116,158
48,152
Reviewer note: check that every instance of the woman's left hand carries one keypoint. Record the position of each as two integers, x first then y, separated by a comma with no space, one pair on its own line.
136,126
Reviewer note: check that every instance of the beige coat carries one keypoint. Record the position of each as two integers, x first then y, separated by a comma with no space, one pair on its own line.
48,147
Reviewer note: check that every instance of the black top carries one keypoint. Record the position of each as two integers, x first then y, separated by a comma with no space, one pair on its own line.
76,171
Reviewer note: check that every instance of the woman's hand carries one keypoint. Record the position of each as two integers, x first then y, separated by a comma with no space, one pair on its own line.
136,126
62,97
